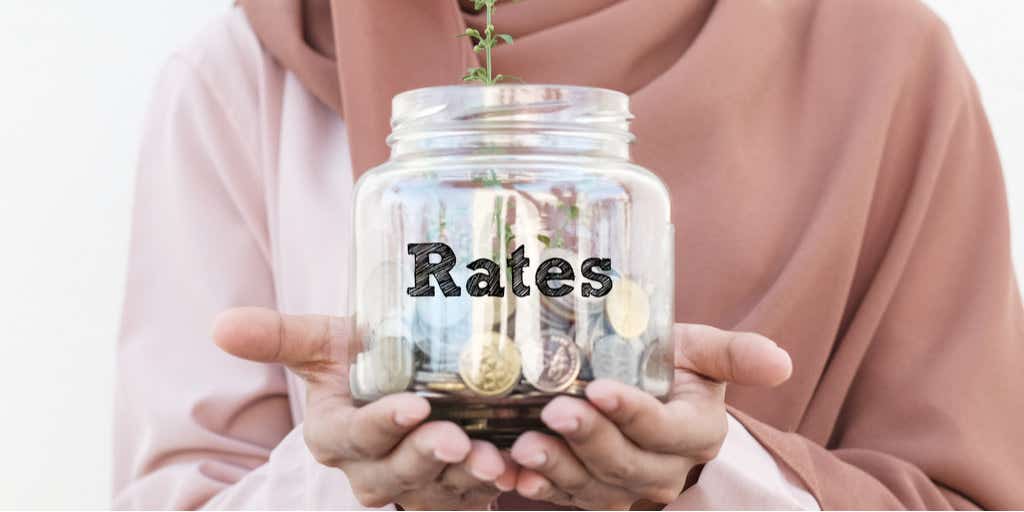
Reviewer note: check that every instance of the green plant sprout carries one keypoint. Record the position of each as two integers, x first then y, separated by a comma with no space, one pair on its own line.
571,212
491,180
484,43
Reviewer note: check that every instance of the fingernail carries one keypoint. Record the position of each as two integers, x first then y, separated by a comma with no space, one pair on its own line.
450,457
483,475
536,460
405,419
503,486
566,426
534,489
606,403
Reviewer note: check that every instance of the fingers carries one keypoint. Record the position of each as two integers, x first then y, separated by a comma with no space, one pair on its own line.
414,464
738,357
694,427
337,433
373,430
535,486
298,341
482,467
609,455
422,455
471,484
507,480
551,472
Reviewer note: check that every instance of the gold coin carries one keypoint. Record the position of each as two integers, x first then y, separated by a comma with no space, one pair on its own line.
455,386
628,308
448,387
490,364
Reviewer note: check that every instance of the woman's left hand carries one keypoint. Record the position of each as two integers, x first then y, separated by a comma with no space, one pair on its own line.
622,445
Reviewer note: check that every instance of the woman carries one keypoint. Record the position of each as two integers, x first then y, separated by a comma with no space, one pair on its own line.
835,188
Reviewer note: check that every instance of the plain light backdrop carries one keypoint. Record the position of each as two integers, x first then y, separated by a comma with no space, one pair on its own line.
76,78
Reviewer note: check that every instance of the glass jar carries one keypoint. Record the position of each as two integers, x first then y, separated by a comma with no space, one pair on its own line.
509,251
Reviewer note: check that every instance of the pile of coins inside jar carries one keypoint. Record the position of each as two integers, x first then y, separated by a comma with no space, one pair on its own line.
499,350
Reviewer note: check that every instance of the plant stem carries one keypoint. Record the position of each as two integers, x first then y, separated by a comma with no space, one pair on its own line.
490,78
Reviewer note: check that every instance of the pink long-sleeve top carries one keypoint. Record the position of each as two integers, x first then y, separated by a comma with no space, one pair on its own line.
243,198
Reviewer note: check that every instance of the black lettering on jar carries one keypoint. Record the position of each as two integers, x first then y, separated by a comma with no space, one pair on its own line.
441,270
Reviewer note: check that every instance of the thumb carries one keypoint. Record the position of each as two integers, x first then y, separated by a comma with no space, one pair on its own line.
738,357
301,342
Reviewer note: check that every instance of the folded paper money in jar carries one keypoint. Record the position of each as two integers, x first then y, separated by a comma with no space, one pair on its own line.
509,252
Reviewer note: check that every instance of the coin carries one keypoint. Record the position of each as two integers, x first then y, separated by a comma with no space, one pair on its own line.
587,330
439,381
551,363
616,358
576,387
446,387
441,346
354,388
441,328
657,368
391,363
490,364
628,308
361,386
432,377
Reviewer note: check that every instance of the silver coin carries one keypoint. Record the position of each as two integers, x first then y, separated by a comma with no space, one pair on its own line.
551,363
361,385
354,387
586,331
657,368
441,347
616,358
430,377
391,363
442,327
552,321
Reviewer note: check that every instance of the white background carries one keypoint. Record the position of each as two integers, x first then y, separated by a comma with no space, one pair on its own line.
75,82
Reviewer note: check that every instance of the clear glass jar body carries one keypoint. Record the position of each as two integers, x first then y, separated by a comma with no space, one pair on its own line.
508,252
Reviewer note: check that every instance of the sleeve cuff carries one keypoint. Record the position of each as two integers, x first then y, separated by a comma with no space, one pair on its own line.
744,475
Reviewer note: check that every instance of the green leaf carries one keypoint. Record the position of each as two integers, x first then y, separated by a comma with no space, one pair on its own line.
475,74
505,37
574,212
544,239
471,33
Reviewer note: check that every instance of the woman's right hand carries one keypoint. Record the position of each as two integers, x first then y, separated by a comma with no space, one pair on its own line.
383,447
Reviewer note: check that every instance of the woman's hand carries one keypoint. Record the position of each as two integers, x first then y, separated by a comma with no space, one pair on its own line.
622,445
383,448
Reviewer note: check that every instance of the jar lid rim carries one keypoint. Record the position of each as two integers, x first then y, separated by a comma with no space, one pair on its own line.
464,87
502,102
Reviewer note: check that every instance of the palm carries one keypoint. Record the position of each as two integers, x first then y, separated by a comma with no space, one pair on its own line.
622,445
